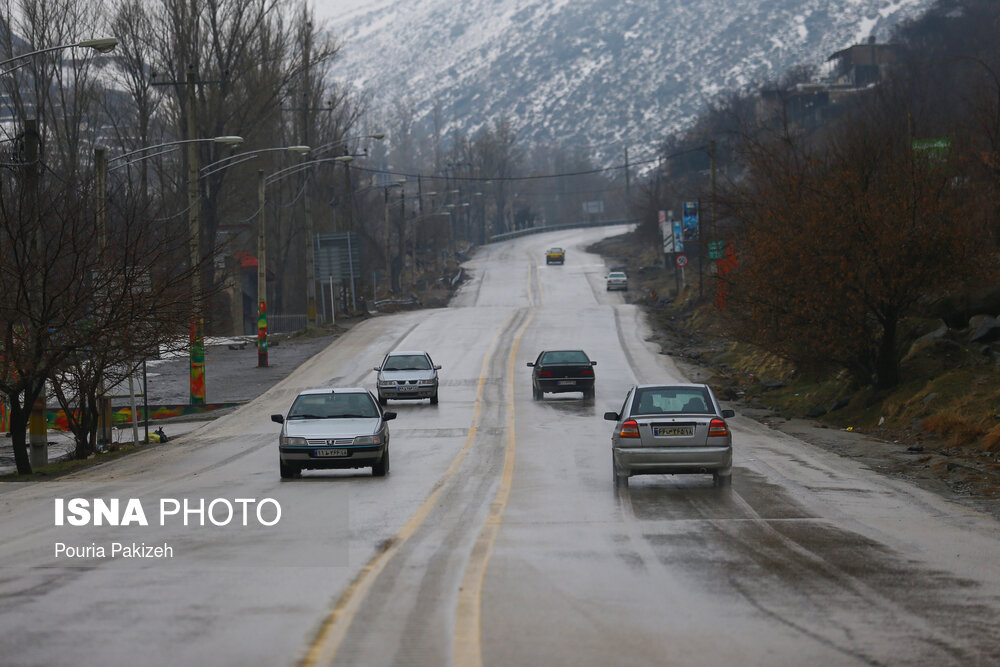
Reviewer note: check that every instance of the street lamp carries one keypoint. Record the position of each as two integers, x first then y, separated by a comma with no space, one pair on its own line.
239,158
197,340
263,181
374,135
99,44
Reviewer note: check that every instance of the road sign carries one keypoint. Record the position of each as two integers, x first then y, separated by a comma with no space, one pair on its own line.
681,260
715,249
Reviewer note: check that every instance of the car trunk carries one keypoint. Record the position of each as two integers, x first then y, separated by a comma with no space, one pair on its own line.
681,431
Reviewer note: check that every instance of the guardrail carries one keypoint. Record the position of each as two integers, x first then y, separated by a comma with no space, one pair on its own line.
556,228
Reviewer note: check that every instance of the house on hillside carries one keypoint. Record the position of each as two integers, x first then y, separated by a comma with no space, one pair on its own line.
863,65
810,105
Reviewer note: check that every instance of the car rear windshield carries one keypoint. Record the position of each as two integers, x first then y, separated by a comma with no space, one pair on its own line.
565,357
333,406
672,400
406,362
616,275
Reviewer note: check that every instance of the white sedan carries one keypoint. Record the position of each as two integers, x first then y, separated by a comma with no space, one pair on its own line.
617,280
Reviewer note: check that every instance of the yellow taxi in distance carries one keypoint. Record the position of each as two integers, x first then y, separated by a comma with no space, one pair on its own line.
555,256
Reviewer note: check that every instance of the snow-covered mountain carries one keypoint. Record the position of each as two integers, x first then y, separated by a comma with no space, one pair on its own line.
605,73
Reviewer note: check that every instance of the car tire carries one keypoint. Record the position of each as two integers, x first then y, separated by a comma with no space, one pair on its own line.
590,393
434,399
621,481
537,393
287,471
381,467
722,479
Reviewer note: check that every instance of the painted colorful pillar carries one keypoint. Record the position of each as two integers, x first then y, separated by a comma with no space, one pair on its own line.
262,334
197,358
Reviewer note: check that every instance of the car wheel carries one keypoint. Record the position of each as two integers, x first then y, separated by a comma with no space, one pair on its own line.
434,399
382,400
381,467
722,479
287,471
537,393
621,480
589,393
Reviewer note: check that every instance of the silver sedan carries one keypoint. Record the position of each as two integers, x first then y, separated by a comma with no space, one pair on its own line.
407,375
334,428
670,429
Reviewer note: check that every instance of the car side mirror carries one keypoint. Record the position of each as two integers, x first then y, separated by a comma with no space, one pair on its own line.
593,363
388,416
278,419
611,416
377,369
531,364
728,413
437,367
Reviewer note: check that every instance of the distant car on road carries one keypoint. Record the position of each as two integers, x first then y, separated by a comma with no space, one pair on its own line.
558,371
617,280
334,428
407,375
670,429
555,256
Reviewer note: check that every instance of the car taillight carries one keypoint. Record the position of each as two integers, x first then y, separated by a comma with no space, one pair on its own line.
587,371
718,429
545,374
630,429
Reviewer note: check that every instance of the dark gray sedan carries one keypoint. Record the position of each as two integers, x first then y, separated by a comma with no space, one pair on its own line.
670,429
334,428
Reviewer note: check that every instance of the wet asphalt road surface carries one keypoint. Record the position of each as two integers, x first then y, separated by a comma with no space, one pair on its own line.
498,538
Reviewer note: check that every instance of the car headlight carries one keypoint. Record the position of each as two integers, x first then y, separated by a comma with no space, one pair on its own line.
386,383
368,439
286,440
428,383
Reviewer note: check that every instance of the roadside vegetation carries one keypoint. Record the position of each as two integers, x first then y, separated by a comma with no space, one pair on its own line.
859,281
859,285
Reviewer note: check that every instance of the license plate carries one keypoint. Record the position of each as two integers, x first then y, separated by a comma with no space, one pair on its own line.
401,388
330,452
673,430
567,382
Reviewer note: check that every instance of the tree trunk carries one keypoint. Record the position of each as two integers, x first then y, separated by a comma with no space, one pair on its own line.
887,364
19,434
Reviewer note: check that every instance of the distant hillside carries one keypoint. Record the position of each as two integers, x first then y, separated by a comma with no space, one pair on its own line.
604,73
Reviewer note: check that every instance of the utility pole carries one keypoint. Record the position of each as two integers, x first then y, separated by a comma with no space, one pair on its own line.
306,201
388,271
38,450
628,187
196,356
714,243
104,421
261,275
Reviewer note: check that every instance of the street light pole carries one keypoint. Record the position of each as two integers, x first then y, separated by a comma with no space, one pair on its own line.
261,275
196,355
100,44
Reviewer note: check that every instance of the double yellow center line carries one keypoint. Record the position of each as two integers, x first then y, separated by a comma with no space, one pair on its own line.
332,631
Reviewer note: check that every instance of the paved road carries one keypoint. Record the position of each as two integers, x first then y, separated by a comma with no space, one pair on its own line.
497,538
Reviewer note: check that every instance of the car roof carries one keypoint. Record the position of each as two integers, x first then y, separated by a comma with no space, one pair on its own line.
402,352
673,385
614,273
334,390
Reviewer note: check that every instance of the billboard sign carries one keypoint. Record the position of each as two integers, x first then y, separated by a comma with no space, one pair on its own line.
690,221
678,237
